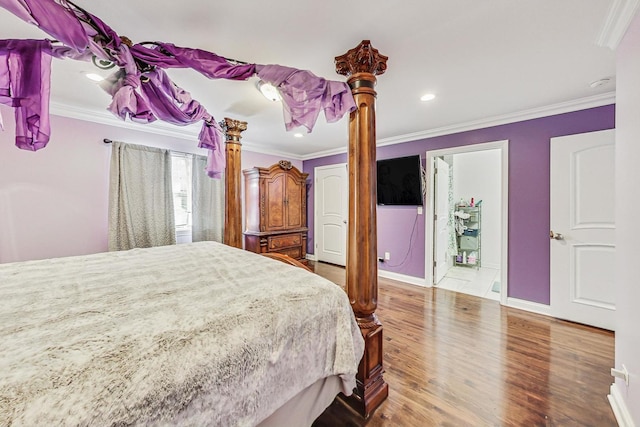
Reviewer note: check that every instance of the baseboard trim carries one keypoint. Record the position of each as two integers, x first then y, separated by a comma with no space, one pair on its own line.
312,257
619,407
525,305
419,281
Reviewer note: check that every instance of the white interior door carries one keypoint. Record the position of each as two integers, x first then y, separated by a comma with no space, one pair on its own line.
583,228
441,219
332,212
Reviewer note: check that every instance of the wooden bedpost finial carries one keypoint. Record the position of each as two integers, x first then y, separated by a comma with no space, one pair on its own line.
233,128
362,59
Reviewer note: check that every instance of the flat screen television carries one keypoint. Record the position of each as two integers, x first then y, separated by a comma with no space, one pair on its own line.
399,181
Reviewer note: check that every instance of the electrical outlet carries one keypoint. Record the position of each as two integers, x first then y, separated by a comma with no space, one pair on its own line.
419,210
387,256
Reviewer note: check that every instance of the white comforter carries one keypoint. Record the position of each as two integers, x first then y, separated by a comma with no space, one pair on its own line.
198,334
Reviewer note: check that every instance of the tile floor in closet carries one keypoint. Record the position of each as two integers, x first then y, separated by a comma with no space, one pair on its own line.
482,282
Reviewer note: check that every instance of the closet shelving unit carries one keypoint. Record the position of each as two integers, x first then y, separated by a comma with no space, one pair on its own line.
469,240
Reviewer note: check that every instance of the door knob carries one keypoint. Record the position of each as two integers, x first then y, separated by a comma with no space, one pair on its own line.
555,236
344,220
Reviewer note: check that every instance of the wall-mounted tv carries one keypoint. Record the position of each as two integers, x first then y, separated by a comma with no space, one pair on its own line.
399,181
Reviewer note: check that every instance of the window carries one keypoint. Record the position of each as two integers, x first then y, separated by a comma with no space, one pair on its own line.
181,176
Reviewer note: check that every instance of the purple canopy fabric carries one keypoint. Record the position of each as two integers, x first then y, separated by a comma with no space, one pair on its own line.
170,103
125,101
210,136
53,18
175,105
167,55
304,95
148,94
25,68
161,98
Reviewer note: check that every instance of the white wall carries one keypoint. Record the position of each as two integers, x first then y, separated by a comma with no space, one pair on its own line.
54,202
478,175
627,350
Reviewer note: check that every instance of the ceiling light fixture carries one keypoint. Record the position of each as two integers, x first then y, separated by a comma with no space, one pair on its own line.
298,135
94,77
427,97
269,91
600,82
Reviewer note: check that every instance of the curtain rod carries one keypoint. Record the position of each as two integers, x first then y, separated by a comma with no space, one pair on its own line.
109,141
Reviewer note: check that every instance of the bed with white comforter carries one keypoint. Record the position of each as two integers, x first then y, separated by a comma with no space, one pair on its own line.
196,334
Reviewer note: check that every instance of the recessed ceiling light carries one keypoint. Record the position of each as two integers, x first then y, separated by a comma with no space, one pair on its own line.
427,97
94,77
298,135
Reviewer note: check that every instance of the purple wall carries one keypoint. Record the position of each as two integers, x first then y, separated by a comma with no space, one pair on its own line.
529,151
54,202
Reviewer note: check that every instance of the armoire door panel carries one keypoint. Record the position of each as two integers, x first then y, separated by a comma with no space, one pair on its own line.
275,203
293,202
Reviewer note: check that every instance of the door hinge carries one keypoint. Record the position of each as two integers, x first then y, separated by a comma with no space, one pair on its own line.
435,264
435,217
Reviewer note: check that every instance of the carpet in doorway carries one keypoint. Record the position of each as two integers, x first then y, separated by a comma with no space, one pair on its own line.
495,287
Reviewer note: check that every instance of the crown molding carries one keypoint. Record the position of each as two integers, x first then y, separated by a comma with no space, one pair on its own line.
325,153
617,22
189,133
105,118
534,113
255,148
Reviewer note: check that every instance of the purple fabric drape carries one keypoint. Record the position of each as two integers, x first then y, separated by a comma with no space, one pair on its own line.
53,18
25,68
210,137
146,95
304,95
169,102
167,55
125,101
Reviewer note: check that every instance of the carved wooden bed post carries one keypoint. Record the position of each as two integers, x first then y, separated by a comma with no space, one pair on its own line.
361,65
232,183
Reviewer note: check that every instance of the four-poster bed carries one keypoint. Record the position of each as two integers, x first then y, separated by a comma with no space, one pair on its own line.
361,65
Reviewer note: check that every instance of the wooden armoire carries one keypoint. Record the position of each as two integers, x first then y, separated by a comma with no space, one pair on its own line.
276,210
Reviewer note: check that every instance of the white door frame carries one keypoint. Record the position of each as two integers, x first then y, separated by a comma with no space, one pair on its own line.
503,146
316,229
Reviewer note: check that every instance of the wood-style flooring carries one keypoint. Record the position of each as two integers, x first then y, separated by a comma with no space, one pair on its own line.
453,359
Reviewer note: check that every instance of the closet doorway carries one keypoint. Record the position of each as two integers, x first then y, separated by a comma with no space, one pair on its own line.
466,240
331,200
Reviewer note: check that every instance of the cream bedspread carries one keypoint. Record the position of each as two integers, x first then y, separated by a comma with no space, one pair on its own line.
197,334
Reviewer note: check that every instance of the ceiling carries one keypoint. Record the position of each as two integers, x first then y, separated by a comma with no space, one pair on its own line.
484,60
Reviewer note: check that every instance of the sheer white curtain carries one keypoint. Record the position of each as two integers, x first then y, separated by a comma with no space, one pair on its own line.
140,198
208,204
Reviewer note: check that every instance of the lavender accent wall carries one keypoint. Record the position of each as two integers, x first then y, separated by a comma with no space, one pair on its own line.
54,202
529,151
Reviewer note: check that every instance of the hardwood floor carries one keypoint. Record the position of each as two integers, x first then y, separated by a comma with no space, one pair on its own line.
453,359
